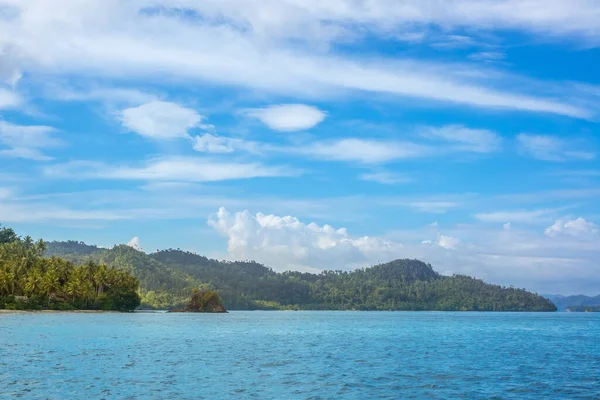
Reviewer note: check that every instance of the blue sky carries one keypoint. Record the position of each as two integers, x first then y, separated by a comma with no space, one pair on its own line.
310,135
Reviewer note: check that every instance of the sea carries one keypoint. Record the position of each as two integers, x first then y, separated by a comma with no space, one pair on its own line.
300,355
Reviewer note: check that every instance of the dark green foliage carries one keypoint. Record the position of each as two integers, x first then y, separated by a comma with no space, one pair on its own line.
166,277
30,281
205,301
7,235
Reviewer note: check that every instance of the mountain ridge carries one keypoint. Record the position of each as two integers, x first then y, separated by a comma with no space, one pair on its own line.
579,300
167,277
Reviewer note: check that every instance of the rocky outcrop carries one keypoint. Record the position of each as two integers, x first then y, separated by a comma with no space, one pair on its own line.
204,302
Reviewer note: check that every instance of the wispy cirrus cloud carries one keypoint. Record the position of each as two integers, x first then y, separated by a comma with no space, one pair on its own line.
186,169
386,177
27,141
522,216
552,148
150,40
462,138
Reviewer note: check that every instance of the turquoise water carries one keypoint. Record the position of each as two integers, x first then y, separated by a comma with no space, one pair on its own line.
300,355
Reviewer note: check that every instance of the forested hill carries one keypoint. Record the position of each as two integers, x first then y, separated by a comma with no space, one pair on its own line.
167,277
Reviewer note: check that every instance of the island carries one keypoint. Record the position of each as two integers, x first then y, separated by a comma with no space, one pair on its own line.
583,309
204,302
75,275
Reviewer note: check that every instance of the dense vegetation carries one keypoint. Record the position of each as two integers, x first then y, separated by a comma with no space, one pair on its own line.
28,280
167,277
206,301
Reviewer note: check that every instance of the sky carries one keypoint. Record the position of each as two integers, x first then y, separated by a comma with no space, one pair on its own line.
311,135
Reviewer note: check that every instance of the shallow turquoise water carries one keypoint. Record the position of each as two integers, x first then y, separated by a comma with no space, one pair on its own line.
299,355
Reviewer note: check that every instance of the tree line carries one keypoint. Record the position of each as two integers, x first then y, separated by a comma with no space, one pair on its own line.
29,280
168,276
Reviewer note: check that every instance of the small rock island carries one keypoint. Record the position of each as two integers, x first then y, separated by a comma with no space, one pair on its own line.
204,302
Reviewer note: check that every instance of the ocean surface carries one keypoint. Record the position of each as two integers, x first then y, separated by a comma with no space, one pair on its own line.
300,355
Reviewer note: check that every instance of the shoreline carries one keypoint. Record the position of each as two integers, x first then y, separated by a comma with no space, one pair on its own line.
3,311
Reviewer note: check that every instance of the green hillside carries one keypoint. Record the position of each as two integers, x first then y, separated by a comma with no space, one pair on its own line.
167,277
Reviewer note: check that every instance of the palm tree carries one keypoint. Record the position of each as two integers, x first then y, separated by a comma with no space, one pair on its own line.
100,279
50,282
33,282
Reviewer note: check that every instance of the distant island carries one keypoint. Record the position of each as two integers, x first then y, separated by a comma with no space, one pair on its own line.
165,279
583,309
563,303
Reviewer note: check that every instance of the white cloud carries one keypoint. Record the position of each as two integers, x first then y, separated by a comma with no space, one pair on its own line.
524,216
363,150
135,243
488,56
187,169
9,99
552,148
510,257
448,242
208,143
287,243
386,178
462,138
106,94
160,120
575,227
288,117
434,207
281,47
27,141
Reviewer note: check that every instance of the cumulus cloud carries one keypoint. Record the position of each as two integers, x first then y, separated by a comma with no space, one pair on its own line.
288,117
575,227
288,243
27,141
160,120
448,242
511,257
552,148
135,243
